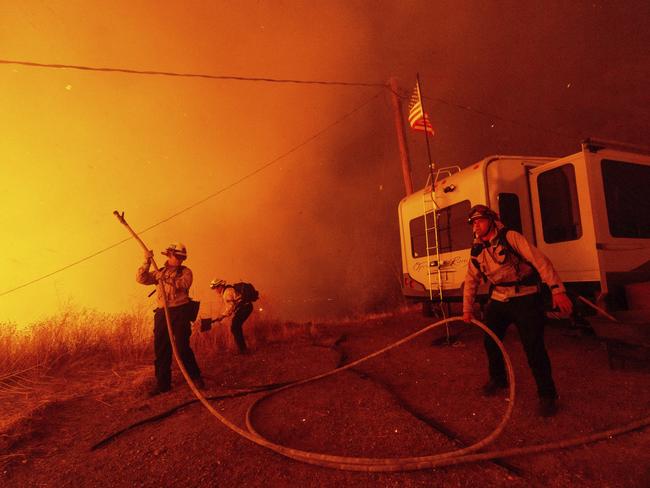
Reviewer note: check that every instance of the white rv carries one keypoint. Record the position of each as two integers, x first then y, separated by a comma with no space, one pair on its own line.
588,212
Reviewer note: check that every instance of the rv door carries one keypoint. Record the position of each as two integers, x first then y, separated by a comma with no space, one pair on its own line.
562,216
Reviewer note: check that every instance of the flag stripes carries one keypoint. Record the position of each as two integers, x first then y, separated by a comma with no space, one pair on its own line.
418,119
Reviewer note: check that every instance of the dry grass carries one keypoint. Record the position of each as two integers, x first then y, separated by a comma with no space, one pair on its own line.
85,339
79,339
73,337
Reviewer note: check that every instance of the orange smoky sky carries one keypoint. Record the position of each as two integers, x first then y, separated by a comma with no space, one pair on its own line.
78,145
316,231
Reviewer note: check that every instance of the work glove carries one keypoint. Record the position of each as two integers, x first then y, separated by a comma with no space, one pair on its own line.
148,256
562,303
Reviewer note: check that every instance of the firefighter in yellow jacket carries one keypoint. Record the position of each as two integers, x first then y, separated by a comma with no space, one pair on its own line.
513,268
176,281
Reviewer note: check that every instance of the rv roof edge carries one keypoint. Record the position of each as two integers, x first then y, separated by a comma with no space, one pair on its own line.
595,144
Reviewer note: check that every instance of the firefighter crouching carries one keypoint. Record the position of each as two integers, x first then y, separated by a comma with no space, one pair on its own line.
176,280
237,303
513,268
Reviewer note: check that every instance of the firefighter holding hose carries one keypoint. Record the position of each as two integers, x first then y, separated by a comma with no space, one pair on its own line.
514,269
174,281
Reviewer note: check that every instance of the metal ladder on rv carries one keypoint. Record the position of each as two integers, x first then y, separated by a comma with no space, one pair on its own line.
433,248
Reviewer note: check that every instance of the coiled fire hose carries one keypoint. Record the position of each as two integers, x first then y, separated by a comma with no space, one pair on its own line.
458,456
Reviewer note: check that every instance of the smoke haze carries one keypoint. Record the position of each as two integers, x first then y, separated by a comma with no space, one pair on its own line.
316,231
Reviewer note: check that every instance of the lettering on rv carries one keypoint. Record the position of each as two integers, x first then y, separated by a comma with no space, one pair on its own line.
456,260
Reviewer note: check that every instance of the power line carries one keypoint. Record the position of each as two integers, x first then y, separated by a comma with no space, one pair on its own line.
483,113
203,200
282,80
505,119
188,75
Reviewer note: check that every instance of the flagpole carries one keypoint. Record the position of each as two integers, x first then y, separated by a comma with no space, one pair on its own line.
435,207
426,132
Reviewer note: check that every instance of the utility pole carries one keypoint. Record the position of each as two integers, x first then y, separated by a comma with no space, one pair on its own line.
401,137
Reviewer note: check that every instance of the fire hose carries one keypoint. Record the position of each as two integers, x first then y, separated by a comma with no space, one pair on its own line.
458,456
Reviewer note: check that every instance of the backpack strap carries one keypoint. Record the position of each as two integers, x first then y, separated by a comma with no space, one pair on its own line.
503,240
533,278
476,250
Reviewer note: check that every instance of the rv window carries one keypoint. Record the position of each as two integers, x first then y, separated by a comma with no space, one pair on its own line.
558,201
509,210
453,232
627,196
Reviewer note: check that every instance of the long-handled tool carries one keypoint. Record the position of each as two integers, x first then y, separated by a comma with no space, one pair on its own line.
172,339
597,308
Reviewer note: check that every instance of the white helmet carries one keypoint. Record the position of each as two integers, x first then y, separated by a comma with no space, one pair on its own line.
216,283
177,249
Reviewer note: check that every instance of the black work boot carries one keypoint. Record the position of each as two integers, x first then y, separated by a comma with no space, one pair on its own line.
492,387
547,407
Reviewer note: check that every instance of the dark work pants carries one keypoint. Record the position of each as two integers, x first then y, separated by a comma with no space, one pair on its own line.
527,314
182,329
241,314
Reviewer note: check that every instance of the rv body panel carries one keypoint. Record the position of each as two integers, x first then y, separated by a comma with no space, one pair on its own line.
588,212
626,251
562,215
418,269
612,182
509,193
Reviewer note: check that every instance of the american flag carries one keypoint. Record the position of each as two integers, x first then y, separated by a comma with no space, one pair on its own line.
418,120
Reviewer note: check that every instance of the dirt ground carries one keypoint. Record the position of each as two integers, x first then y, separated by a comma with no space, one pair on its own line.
419,399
